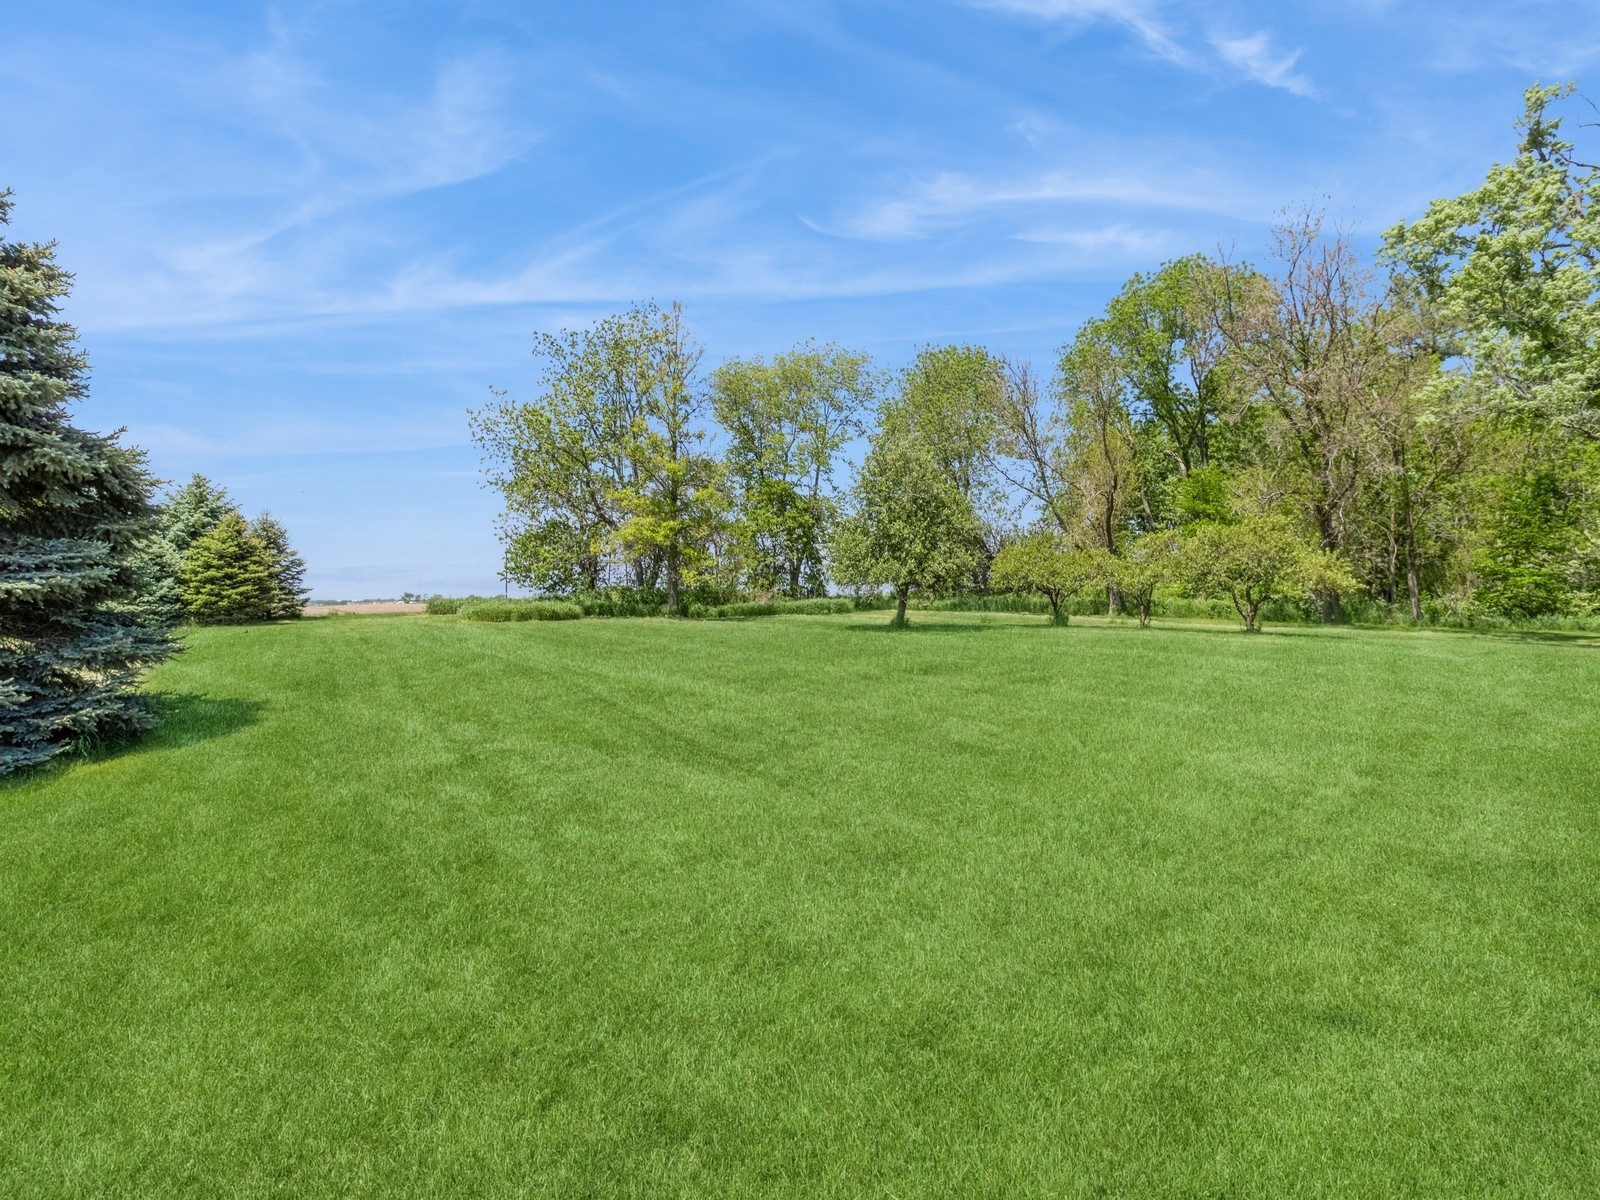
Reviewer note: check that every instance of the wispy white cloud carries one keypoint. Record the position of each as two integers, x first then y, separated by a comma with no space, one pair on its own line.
352,152
1181,42
1105,239
1255,56
951,199
1136,16
275,231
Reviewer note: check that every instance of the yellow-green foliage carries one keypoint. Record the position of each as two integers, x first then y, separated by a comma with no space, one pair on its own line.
1044,565
226,576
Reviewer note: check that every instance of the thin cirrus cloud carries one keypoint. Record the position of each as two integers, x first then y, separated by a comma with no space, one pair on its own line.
952,199
1257,58
275,198
1253,56
1138,18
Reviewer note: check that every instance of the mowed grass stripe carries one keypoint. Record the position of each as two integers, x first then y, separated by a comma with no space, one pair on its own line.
802,906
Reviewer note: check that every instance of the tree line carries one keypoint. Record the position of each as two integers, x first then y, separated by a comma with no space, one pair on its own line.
203,563
1416,433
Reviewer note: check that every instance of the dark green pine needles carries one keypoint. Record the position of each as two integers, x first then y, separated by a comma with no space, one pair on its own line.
74,506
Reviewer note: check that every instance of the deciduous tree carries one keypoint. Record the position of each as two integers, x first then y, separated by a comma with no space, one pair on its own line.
1254,561
1145,564
911,528
608,466
947,401
785,422
1044,564
1512,271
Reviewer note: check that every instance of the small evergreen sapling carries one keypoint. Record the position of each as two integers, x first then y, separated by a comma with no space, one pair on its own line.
74,507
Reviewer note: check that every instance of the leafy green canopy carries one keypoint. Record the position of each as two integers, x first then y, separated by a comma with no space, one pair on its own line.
1512,269
785,422
911,530
1257,560
1145,564
74,506
606,474
1044,564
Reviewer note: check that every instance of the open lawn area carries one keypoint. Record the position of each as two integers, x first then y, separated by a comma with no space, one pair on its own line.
803,906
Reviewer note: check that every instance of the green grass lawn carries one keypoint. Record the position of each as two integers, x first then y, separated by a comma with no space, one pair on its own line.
801,906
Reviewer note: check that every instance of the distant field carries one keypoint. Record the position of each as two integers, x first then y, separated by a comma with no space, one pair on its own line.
363,607
802,906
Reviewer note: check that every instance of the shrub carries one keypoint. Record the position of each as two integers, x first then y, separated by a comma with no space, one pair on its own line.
449,606
1021,602
621,602
500,609
820,606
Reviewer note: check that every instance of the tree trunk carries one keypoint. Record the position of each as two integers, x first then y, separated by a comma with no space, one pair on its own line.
1411,564
1057,617
1247,607
1144,611
900,606
672,581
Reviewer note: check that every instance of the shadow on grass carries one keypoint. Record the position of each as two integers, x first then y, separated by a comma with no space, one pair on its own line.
188,718
915,626
1586,638
995,621
1269,630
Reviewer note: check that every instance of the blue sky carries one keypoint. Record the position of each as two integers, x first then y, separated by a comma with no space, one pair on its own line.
308,236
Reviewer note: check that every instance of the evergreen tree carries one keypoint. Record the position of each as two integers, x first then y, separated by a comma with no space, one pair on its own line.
184,515
158,599
195,508
288,568
74,506
227,575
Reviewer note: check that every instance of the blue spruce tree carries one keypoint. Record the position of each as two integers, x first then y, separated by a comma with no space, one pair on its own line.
74,509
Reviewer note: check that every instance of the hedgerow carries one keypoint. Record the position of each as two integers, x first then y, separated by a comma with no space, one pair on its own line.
449,606
502,609
820,606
